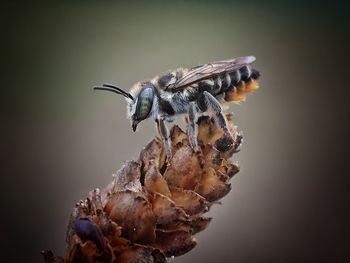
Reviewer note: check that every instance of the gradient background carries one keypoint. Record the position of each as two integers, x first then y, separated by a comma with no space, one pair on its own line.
59,139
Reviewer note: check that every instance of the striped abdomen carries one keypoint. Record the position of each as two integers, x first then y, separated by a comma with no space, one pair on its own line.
242,81
233,85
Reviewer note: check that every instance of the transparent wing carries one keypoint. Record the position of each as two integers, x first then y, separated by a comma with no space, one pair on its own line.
209,70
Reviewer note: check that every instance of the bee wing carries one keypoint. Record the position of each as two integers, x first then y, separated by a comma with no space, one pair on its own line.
209,70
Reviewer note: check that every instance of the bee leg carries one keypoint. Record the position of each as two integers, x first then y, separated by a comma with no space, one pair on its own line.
212,103
164,133
193,127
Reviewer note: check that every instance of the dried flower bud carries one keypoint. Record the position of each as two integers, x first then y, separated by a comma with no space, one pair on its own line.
152,208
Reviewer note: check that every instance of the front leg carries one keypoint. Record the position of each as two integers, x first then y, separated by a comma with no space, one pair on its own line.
193,127
164,133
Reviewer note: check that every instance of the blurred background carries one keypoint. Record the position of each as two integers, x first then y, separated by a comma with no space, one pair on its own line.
59,139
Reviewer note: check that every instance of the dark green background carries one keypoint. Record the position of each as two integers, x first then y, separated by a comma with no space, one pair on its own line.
59,139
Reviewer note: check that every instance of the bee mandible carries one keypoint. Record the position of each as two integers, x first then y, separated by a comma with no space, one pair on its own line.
191,91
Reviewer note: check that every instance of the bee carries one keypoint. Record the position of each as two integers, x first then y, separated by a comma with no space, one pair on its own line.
191,91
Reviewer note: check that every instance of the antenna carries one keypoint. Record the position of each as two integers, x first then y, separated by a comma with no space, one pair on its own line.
112,88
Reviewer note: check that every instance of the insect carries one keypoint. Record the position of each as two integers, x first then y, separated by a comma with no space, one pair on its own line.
191,91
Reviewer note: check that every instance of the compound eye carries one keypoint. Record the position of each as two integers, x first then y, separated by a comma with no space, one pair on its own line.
144,103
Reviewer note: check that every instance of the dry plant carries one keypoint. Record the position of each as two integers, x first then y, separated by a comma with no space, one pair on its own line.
152,208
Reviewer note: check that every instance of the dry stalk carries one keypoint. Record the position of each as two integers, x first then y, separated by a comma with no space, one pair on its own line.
151,209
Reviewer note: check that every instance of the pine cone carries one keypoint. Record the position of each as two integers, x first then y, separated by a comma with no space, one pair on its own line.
152,208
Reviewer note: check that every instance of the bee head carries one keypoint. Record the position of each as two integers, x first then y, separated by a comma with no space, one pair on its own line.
141,108
140,102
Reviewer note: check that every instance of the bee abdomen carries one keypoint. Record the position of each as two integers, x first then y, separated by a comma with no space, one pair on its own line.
235,77
242,81
255,74
245,73
225,82
228,80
